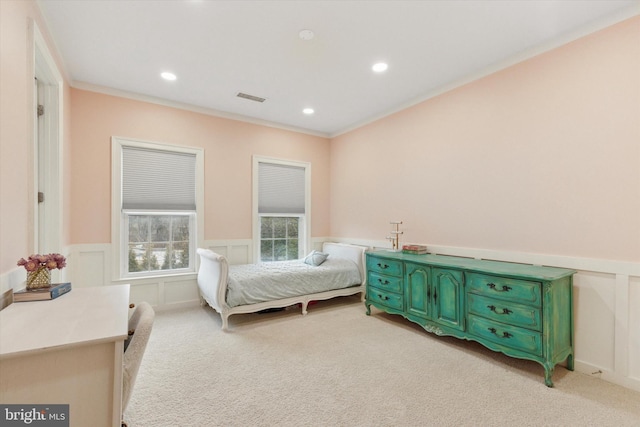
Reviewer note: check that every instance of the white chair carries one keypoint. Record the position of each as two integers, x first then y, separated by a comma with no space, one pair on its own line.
6,299
140,325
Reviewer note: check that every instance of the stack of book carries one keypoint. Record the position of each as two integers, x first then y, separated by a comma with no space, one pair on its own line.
42,294
414,249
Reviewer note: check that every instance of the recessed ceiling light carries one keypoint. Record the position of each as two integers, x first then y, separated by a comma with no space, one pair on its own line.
306,35
380,67
168,76
308,111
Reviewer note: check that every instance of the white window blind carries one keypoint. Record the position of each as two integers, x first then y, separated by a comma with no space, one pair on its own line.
158,179
281,189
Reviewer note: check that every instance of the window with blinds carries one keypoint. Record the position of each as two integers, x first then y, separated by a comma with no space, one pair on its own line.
281,189
158,206
158,180
282,212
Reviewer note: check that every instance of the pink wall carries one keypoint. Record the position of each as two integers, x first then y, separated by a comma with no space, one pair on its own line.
16,129
541,157
229,146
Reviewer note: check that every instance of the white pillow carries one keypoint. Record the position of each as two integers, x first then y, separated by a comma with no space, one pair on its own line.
315,258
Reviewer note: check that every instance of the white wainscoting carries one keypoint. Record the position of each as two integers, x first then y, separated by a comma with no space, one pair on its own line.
606,296
90,265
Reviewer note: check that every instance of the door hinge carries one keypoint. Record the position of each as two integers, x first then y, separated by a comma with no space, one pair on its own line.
40,197
40,110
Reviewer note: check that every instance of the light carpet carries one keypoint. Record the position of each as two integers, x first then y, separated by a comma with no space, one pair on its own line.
336,366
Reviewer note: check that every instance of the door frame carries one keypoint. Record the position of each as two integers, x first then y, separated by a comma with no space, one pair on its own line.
47,148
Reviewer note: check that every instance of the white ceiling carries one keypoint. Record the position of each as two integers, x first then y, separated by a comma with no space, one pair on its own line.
219,48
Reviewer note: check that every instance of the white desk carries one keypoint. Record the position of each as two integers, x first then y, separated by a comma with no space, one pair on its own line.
68,351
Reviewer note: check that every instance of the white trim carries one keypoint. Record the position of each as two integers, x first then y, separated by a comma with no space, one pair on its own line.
576,263
76,269
193,108
63,70
51,131
607,375
227,242
117,266
254,209
621,338
14,279
178,291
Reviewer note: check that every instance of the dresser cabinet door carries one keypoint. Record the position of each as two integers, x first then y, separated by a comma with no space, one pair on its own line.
448,287
418,290
435,294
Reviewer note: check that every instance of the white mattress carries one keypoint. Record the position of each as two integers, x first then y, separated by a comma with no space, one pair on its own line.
254,283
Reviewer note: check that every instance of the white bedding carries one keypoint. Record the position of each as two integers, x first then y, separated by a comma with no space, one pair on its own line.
228,293
254,283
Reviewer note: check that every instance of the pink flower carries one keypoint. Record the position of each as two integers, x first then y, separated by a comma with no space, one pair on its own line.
61,262
49,261
31,266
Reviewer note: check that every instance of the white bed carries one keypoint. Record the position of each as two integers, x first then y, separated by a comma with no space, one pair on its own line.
250,288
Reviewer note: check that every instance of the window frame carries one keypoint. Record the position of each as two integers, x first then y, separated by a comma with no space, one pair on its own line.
304,232
119,233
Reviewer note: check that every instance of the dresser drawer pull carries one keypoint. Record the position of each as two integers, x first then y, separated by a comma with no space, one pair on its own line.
495,310
383,266
504,334
383,282
505,288
383,298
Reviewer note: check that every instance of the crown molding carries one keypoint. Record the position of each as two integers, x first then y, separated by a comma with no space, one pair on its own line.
193,108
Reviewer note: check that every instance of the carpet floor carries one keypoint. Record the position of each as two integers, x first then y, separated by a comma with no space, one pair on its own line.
336,366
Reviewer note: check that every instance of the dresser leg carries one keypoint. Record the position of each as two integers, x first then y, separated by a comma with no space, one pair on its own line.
570,362
368,308
548,373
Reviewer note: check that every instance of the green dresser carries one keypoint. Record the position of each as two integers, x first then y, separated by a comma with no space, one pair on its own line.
520,310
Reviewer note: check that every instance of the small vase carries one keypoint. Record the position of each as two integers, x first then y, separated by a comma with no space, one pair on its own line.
38,279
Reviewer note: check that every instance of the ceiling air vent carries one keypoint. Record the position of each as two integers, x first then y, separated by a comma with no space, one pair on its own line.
250,97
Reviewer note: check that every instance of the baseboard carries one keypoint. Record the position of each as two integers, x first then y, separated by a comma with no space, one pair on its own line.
177,306
607,375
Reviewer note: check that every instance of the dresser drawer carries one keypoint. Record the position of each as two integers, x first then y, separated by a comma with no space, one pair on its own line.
505,335
389,299
384,282
505,288
505,311
384,266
